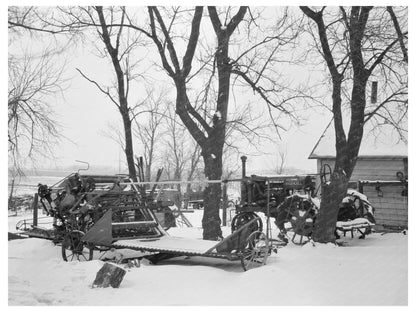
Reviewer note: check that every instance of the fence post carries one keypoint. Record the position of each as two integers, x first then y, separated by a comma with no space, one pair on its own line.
360,187
11,195
224,203
35,210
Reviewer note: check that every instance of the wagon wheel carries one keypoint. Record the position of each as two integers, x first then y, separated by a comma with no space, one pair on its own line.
75,249
244,217
256,251
302,225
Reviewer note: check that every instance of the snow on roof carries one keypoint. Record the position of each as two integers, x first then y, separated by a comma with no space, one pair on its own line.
382,142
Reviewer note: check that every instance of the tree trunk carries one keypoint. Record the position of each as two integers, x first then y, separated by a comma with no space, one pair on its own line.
213,149
129,143
122,95
346,157
211,221
332,195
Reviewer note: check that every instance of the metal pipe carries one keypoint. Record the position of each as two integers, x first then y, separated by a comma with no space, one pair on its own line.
35,210
224,204
243,163
243,186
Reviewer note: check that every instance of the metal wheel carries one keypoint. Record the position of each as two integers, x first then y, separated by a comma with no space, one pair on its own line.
73,249
244,217
256,251
230,204
302,225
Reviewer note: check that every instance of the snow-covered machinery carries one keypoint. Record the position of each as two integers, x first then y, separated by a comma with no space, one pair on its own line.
106,213
78,202
291,200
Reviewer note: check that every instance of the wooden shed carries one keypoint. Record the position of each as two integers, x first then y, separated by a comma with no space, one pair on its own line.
381,159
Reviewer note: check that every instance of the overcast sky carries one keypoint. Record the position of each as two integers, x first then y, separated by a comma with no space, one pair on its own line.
84,113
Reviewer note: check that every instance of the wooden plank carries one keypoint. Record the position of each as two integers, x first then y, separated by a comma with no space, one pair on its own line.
389,205
392,216
374,169
389,214
396,196
393,223
377,169
391,208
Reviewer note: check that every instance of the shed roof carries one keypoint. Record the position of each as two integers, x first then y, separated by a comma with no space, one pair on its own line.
382,142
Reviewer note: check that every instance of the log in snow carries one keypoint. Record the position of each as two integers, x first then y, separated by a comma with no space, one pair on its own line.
109,275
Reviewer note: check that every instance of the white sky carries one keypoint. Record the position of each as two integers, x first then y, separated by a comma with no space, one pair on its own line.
85,113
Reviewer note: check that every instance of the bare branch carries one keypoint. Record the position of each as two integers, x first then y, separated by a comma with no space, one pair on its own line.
193,40
106,92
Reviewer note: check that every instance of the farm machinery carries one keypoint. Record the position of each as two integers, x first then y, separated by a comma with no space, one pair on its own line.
291,200
105,213
112,213
78,203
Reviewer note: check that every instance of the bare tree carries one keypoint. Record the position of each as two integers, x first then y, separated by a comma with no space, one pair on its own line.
30,19
206,120
148,130
208,127
356,43
281,160
175,147
118,48
33,81
210,137
182,153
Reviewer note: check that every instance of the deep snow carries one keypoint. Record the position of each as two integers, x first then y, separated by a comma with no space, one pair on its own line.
373,271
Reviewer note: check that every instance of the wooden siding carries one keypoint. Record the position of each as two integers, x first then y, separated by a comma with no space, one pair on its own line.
372,169
392,208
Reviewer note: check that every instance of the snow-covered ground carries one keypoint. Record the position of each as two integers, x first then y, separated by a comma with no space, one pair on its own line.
373,271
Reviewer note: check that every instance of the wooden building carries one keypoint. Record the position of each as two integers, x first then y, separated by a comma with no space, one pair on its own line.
382,160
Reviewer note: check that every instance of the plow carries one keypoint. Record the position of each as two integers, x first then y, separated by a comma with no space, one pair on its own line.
93,214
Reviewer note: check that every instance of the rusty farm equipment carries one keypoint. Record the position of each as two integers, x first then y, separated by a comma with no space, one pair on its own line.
105,213
291,200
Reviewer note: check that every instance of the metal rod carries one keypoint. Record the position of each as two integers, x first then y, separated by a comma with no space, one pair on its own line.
35,210
159,173
224,204
11,195
171,182
268,210
83,162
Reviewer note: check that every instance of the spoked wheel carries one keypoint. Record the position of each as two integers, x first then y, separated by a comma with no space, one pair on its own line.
73,249
302,225
244,217
256,251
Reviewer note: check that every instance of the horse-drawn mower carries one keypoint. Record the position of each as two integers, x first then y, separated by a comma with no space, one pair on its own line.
101,214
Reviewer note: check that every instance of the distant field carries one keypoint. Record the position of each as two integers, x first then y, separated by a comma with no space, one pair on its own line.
29,184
